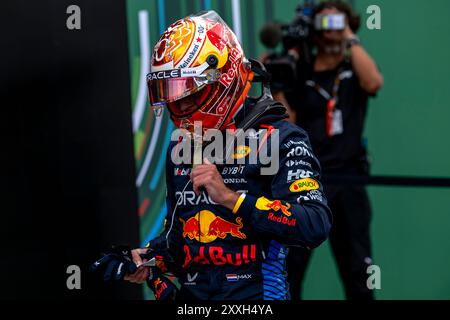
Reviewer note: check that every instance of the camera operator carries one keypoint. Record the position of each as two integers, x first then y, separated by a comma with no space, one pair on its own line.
329,101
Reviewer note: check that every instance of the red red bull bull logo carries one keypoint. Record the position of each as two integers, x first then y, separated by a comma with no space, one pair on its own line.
159,287
211,227
276,205
191,228
216,255
282,219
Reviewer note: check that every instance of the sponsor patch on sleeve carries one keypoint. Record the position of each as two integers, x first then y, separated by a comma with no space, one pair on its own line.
304,185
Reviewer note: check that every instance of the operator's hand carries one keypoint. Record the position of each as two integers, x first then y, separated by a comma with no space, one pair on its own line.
206,175
142,273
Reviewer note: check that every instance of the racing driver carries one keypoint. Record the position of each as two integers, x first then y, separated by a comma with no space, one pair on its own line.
228,227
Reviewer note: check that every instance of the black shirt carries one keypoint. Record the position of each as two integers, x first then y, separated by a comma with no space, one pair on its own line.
341,150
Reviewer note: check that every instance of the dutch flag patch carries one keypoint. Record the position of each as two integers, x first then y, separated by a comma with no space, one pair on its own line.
232,277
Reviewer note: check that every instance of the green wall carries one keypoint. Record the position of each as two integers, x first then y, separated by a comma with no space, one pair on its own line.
406,129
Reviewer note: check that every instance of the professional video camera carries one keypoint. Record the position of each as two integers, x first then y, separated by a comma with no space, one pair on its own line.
298,35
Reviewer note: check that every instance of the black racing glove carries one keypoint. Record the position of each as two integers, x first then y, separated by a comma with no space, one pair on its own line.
115,263
160,284
162,287
118,261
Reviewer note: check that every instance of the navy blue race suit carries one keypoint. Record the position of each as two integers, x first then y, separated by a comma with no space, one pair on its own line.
224,255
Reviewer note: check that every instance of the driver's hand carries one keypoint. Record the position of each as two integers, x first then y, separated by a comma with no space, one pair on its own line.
206,175
141,273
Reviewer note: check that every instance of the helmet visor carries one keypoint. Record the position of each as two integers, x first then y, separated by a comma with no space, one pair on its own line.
186,106
172,85
170,90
